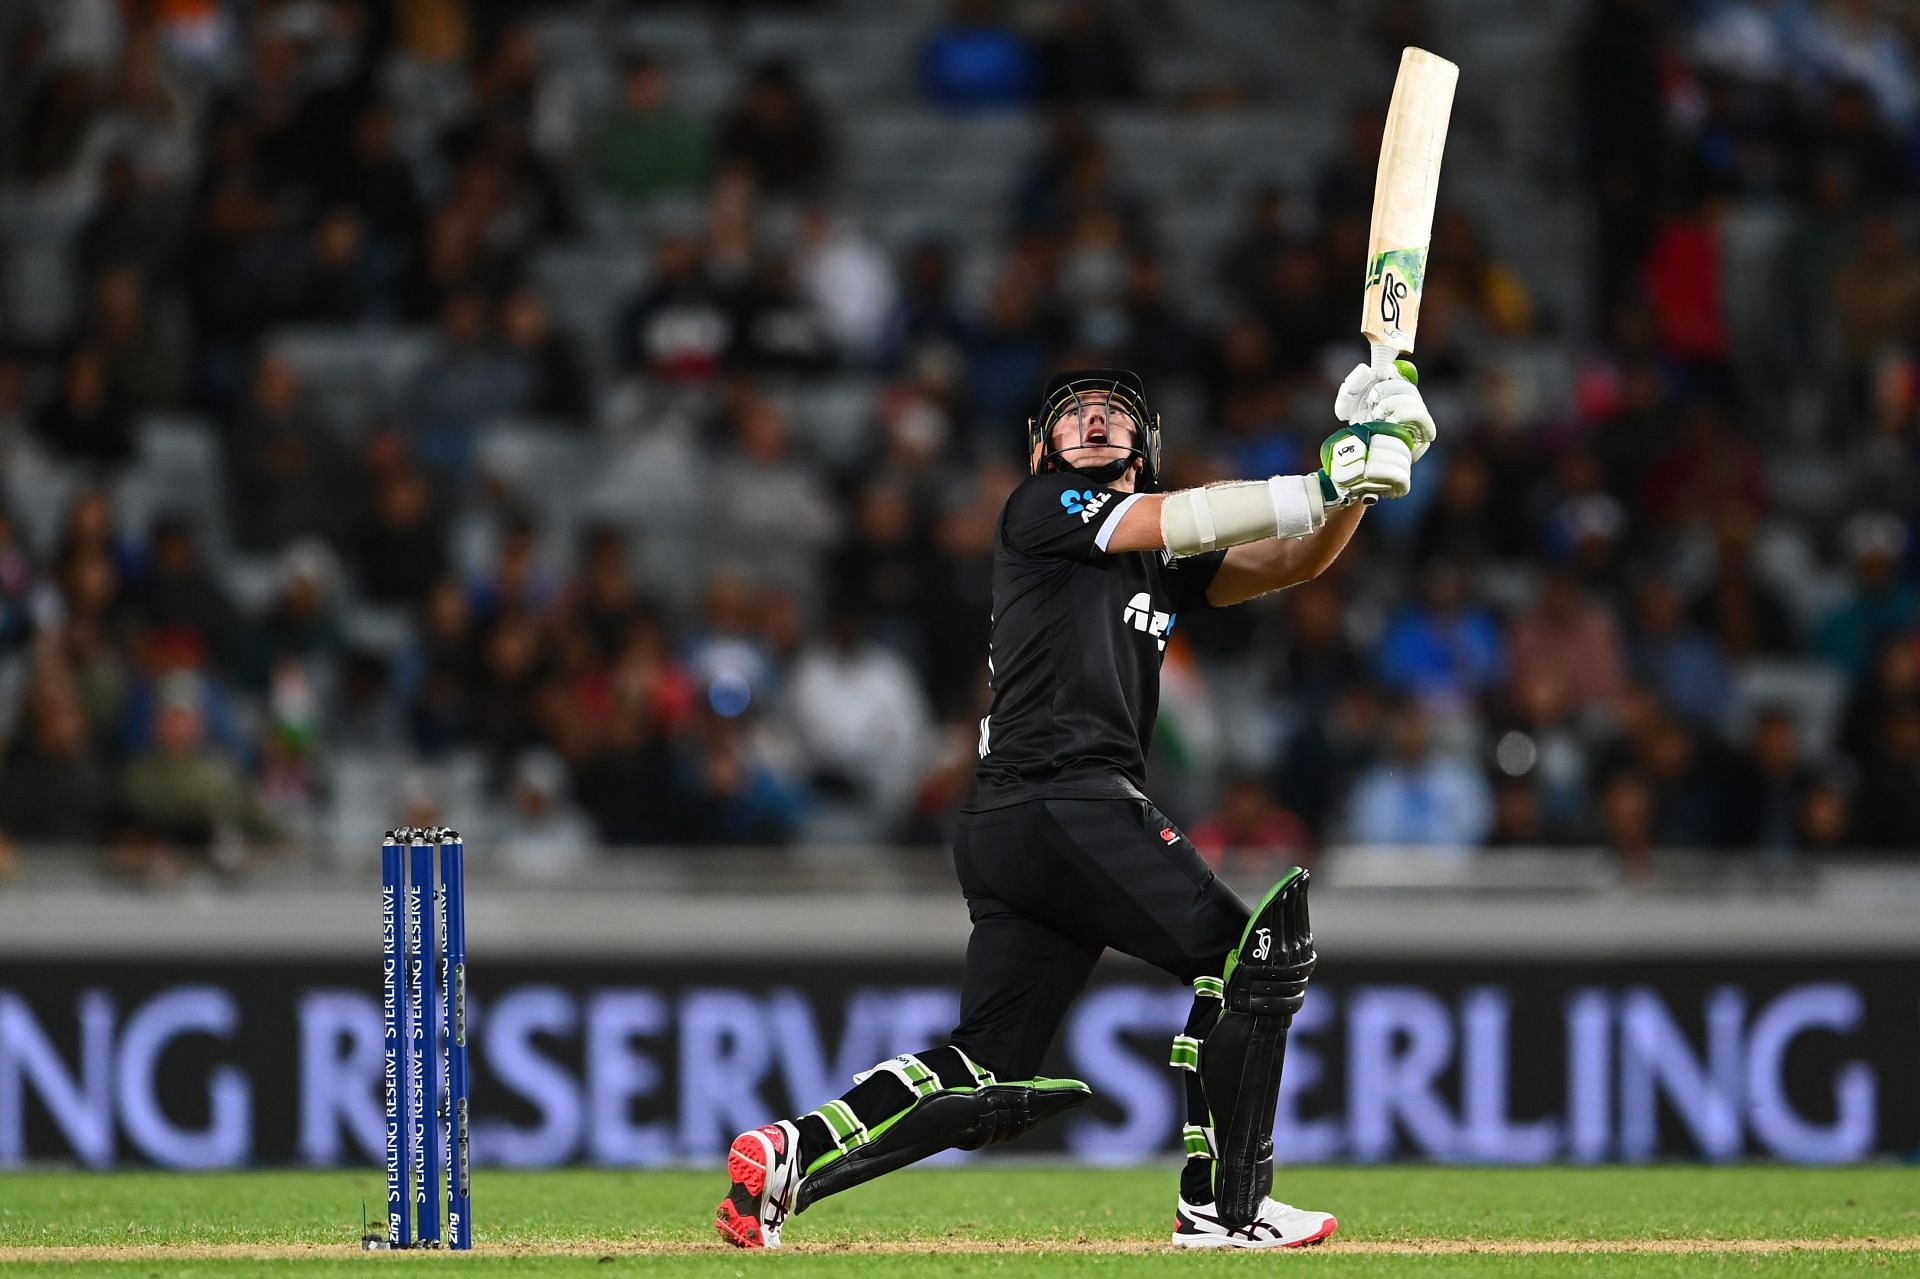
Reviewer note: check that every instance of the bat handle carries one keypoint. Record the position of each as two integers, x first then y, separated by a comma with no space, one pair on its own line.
1384,354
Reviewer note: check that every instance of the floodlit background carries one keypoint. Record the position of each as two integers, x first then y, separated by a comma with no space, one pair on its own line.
584,423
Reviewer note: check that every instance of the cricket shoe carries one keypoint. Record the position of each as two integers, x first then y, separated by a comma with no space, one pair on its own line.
1276,1225
765,1167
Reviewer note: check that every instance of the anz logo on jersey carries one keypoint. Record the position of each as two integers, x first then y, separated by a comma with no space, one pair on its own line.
1142,616
1086,503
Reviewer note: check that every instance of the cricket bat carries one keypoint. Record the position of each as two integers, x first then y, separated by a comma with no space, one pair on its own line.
1404,189
1403,194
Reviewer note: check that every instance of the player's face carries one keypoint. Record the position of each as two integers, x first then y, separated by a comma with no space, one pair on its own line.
1091,431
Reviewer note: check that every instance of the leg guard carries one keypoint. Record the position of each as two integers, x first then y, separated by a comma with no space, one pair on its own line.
1196,1175
1241,1057
937,1120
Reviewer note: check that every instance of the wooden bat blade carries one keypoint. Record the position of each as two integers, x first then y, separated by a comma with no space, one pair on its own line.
1404,191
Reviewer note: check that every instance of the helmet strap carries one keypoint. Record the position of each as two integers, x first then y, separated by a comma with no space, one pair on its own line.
1106,472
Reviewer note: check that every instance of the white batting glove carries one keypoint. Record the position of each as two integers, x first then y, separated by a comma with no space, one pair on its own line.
1364,461
1367,396
1349,402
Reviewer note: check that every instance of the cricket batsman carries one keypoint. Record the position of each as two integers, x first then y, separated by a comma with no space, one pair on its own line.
1061,855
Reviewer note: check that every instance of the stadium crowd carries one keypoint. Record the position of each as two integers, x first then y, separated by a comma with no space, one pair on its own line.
1663,601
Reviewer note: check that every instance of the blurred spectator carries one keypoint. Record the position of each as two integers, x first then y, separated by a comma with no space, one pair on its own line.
301,626
513,666
1680,772
1443,648
735,795
1769,788
1856,40
779,328
1517,820
466,384
543,836
1684,284
926,312
443,671
1492,288
20,587
604,598
399,551
1086,55
517,581
1250,829
1677,657
1069,189
976,61
958,598
1463,525
1708,466
180,603
768,508
681,325
1143,329
56,788
86,419
1417,797
848,280
1008,352
146,115
1540,741
776,133
285,471
646,147
1894,682
1825,821
1627,808
1329,751
127,226
1345,183
884,568
627,775
1882,602
26,66
141,367
545,358
338,279
729,653
185,795
58,112
1270,225
378,182
1875,295
861,722
1572,639
1885,815
1744,614
1316,662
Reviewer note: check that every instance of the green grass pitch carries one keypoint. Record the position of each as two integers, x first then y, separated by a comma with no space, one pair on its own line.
1002,1220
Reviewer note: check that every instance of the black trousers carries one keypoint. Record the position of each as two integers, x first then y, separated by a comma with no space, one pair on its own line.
1050,884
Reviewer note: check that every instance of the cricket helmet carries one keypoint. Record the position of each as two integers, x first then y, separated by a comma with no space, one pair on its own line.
1123,389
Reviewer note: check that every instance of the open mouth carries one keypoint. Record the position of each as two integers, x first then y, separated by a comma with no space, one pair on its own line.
1096,436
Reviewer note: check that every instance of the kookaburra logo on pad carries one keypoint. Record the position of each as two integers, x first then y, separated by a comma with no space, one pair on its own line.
1142,616
1262,942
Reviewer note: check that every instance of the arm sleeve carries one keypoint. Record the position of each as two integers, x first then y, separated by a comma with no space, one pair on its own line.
1188,579
1063,516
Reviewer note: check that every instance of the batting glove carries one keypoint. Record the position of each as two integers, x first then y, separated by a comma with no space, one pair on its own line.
1365,461
1367,396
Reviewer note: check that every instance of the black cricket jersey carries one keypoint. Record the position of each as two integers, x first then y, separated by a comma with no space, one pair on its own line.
1077,641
